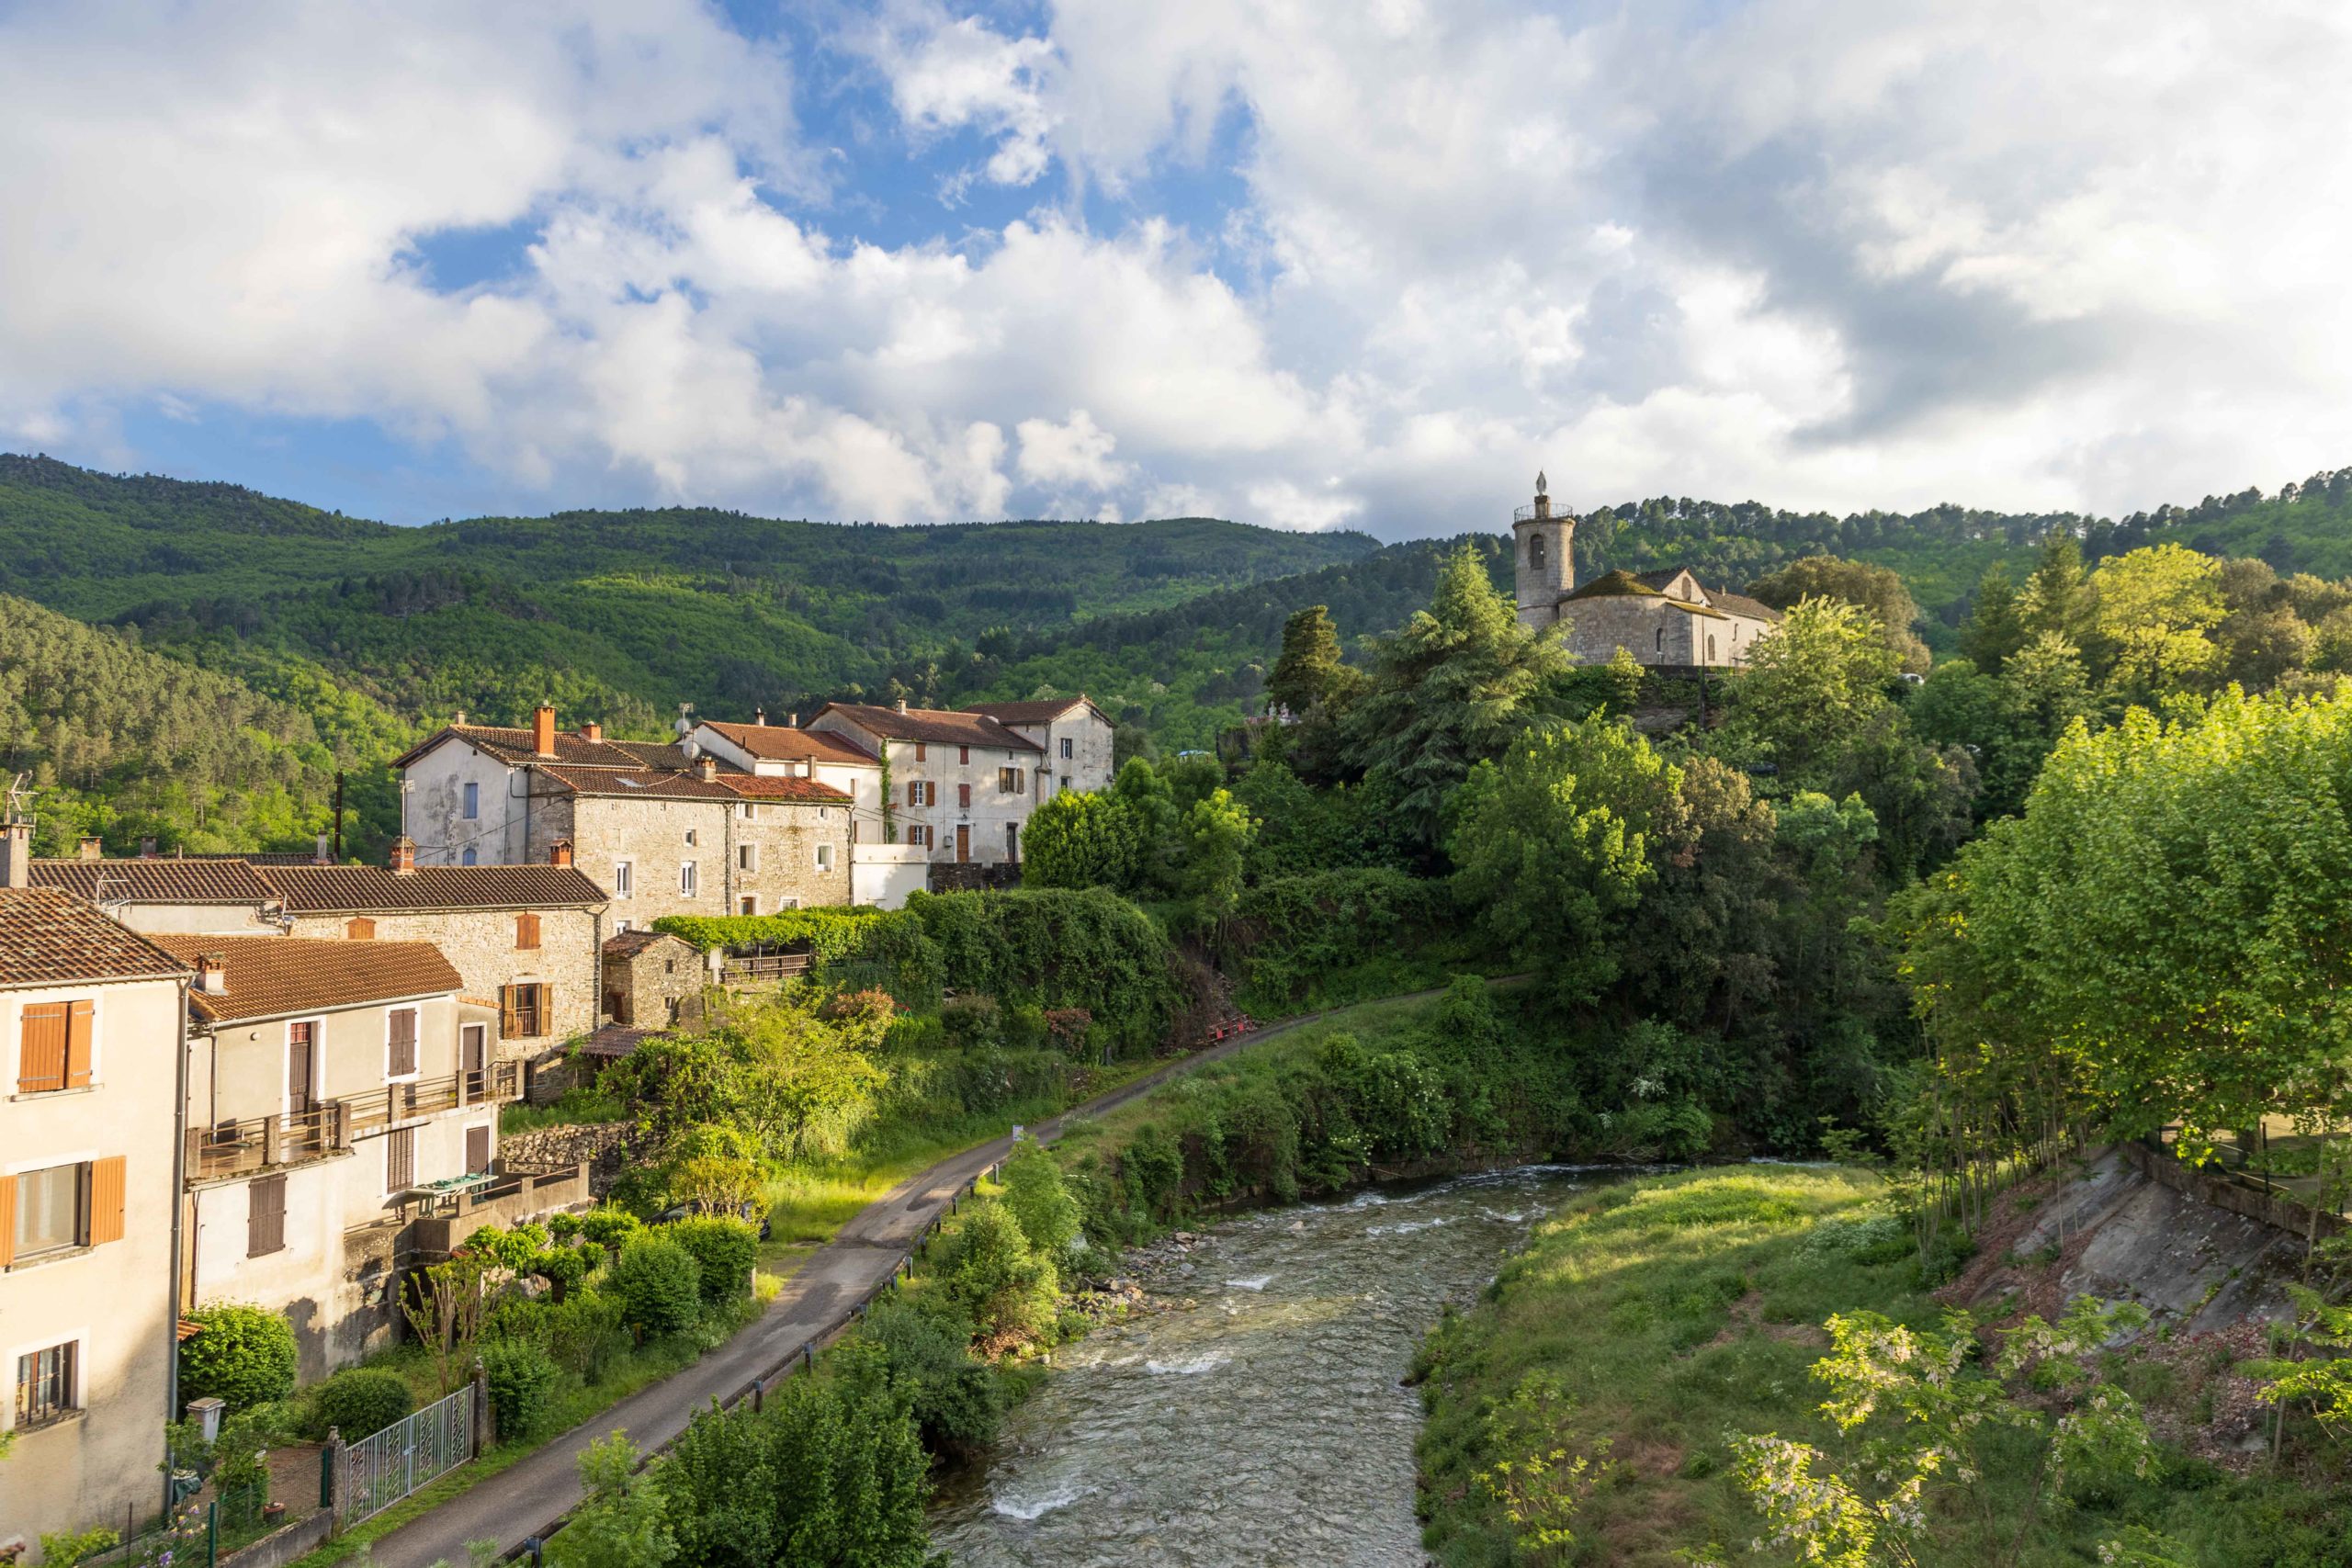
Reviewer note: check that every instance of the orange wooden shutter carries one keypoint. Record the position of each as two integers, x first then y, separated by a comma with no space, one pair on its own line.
7,1221
79,1016
506,1023
41,1054
527,931
109,1180
360,931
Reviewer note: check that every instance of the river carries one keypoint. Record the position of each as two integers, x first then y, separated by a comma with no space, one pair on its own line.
1266,1425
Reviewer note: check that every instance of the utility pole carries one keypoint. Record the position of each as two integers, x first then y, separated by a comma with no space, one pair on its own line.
338,815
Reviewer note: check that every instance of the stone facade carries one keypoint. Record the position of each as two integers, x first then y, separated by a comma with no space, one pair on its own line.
755,857
962,785
652,980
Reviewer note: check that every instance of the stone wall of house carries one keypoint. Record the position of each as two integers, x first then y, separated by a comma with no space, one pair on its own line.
479,944
433,808
785,869
605,1147
1642,624
661,985
652,837
1089,765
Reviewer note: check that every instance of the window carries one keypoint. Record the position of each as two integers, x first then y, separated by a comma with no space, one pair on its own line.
527,931
522,1010
264,1216
1065,781
1012,841
1069,747
689,879
747,857
360,930
919,835
45,1385
921,792
1661,639
964,755
824,857
473,802
621,926
50,1207
301,1067
54,1046
748,810
400,1034
748,905
624,879
691,839
1013,781
467,856
1710,648
399,1161
1535,551
963,798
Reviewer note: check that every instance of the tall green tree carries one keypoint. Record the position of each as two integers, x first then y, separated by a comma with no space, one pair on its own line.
2057,595
1217,836
1875,590
1812,684
2156,609
1310,672
1995,625
1452,688
1080,839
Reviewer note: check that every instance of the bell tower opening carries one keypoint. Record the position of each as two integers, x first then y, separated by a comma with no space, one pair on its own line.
1543,558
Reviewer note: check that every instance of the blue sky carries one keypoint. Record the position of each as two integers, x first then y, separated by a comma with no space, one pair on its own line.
1365,264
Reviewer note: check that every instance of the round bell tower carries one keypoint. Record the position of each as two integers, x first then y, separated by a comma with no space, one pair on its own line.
1543,556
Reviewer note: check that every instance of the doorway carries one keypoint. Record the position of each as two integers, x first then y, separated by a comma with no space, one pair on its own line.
963,841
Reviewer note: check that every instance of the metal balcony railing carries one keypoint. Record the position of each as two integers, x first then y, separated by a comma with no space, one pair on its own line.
258,1143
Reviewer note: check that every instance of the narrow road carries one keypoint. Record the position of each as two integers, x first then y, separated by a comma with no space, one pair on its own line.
532,1496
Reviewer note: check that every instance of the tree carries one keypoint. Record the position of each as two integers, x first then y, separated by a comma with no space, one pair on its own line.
1078,839
1553,845
1309,672
1143,792
1452,688
1875,590
2156,608
622,1524
2057,597
1995,625
1034,1193
1812,684
1217,832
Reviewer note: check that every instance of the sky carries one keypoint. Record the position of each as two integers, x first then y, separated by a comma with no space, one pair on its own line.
1366,264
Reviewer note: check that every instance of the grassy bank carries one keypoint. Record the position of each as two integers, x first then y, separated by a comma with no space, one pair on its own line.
1647,1321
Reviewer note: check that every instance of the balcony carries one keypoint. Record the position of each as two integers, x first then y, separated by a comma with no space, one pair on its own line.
261,1143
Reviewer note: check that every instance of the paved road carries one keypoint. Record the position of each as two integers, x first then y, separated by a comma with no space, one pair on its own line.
533,1494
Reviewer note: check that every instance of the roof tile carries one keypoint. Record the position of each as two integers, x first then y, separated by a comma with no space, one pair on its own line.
789,743
48,937
359,889
269,976
940,725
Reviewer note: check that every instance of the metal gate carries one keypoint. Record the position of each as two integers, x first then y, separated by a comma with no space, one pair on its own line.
379,1471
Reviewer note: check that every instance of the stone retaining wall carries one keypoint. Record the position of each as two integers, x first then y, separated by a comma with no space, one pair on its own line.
603,1146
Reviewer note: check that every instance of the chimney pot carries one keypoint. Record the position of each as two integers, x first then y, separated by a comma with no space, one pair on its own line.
403,855
592,730
322,854
709,768
792,721
460,720
16,855
92,848
543,729
146,849
212,973
760,718
559,853
902,704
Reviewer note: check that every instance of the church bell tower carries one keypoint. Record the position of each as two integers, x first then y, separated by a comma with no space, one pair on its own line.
1543,556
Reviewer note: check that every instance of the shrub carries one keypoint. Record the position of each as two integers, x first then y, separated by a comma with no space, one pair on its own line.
609,1227
660,1285
723,1248
244,1356
359,1402
67,1547
584,1331
520,1377
990,1273
1034,1193
922,1360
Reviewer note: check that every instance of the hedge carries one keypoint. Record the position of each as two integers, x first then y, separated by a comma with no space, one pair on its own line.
884,947
243,1356
723,1247
359,1402
660,1284
1056,948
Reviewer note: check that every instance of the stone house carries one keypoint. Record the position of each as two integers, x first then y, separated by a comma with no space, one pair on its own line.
1073,733
652,980
665,829
90,1029
961,784
525,937
337,1090
1664,619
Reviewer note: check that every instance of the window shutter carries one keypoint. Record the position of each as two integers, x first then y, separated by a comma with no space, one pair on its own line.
107,1186
264,1216
527,931
405,1041
7,1221
507,1011
477,1151
964,797
79,1019
546,999
361,930
40,1057
399,1161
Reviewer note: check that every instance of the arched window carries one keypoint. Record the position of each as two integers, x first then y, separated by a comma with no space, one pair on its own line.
1535,551
1710,648
1661,639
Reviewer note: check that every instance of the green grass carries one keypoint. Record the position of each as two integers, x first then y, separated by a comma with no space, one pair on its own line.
1676,1310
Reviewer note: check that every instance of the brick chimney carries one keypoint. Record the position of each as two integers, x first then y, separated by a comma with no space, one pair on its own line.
93,847
559,853
592,730
16,855
147,849
403,856
707,768
212,973
543,729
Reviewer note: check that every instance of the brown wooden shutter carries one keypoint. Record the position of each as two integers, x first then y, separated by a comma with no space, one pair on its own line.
361,930
477,1151
399,1161
264,1216
109,1184
40,1048
508,1025
527,931
404,1040
7,1221
964,797
79,1019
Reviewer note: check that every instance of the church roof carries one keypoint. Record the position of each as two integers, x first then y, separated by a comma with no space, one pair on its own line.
1616,585
1741,605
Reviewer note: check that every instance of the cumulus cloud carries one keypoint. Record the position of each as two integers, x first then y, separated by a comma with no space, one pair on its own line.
1837,252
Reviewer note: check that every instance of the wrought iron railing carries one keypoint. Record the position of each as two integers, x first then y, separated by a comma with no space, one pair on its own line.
380,1471
257,1143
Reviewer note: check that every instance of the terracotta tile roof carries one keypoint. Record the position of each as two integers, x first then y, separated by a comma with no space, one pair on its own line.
614,1040
756,786
1030,713
687,783
1741,605
270,977
571,749
788,743
629,944
944,726
362,889
208,880
48,937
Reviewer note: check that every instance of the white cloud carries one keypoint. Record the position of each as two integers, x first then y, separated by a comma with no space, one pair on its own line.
1835,253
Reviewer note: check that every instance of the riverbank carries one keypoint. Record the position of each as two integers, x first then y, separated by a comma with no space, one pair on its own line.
1645,1324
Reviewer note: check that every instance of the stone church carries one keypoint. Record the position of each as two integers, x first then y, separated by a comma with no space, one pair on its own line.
1665,619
